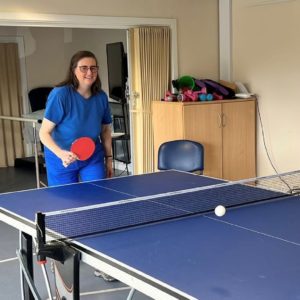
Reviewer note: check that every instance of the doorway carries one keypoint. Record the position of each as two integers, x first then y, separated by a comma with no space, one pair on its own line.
69,23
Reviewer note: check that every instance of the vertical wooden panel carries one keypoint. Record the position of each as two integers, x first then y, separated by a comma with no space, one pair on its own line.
167,123
239,138
202,123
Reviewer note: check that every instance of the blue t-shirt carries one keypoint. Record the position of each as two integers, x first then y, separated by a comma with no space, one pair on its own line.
76,116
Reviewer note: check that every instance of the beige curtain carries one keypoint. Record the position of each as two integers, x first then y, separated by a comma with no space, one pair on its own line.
150,79
11,140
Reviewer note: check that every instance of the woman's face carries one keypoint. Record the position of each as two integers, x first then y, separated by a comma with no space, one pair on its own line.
86,71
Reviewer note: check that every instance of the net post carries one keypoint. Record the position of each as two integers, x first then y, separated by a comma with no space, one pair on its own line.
54,250
41,237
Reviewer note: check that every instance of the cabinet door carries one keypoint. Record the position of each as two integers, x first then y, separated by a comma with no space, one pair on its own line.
239,134
202,123
167,124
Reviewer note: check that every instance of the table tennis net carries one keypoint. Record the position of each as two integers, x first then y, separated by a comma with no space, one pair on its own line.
106,217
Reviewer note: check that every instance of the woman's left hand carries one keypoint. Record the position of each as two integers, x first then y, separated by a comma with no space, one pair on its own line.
109,168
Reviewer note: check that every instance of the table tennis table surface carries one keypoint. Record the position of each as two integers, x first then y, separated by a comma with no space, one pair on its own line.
253,252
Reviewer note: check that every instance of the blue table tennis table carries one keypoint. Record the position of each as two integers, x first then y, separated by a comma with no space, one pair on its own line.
251,253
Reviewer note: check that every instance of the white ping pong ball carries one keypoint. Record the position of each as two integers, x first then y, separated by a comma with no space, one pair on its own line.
220,211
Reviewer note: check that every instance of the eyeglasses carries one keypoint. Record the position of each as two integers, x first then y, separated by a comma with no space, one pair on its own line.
84,69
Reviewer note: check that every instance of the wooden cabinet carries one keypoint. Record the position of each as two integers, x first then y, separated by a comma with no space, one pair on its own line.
226,128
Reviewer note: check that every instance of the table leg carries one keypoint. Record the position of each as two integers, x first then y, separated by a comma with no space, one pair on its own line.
27,256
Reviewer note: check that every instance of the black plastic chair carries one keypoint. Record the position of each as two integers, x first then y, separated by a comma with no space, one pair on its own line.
38,97
182,155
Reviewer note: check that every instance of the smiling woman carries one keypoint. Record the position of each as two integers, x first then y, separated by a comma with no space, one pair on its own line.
77,108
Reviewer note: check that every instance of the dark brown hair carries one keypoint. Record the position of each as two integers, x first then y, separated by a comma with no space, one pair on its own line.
71,77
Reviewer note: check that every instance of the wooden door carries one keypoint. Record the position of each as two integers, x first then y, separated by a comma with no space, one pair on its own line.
239,140
202,123
167,123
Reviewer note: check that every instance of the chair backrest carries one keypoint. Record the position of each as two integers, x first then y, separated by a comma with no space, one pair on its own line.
38,97
182,155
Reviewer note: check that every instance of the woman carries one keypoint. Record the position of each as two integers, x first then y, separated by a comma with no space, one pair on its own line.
77,107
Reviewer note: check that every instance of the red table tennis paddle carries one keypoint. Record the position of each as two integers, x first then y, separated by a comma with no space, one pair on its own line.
83,148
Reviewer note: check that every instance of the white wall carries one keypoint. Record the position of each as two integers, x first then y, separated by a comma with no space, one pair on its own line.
197,24
266,56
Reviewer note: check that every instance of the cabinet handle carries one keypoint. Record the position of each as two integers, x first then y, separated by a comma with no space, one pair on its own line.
220,120
223,120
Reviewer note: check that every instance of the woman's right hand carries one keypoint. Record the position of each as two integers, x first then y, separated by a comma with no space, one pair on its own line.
67,157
